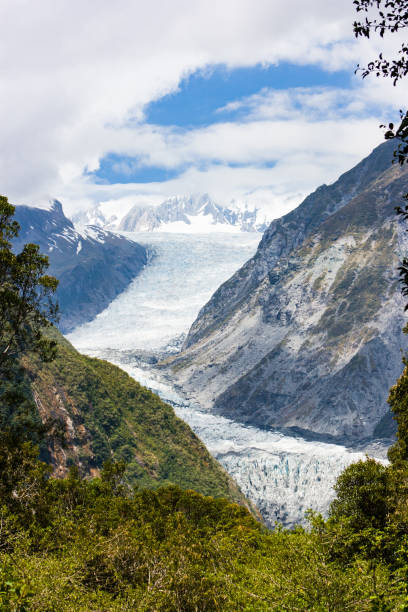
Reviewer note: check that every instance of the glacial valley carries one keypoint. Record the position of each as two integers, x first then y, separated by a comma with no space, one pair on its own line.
282,473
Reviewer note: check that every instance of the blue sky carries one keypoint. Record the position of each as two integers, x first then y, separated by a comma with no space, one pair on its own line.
201,94
247,100
199,102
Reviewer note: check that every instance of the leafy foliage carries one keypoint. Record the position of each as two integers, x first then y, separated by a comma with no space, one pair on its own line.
392,17
398,401
111,543
98,413
26,304
362,492
85,546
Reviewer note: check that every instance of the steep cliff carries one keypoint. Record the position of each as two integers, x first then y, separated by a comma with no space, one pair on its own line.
307,334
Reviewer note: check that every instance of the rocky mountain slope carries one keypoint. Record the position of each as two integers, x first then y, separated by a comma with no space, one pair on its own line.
98,412
307,334
93,266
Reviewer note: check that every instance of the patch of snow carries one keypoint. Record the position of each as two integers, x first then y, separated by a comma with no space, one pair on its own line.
46,204
94,233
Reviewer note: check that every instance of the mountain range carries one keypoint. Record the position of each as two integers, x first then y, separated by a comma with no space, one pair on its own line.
307,334
184,214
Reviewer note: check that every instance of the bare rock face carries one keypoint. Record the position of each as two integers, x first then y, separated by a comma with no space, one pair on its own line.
307,334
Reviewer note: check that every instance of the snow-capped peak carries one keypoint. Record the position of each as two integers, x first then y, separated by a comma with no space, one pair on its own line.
191,214
178,213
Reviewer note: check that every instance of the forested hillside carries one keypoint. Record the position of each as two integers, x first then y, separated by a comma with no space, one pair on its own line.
77,545
107,536
99,413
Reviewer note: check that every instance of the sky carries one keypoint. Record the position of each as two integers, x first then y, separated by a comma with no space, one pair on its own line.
254,102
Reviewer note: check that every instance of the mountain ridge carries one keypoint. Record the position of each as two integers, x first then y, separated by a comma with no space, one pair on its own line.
98,412
191,214
92,265
285,233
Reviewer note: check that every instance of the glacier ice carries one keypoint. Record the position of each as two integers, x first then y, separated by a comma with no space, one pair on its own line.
282,474
163,301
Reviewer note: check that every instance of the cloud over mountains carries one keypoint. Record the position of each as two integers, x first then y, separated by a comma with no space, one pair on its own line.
78,78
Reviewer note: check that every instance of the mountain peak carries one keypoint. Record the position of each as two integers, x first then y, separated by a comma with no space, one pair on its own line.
197,213
56,206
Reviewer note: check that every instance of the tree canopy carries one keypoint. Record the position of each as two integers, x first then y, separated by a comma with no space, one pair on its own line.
392,16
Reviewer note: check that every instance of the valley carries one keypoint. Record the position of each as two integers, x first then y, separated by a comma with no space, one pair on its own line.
155,312
204,307
282,473
278,349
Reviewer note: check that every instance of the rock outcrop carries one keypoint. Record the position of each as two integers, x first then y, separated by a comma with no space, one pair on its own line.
95,412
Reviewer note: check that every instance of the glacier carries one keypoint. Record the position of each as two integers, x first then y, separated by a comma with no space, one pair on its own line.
282,473
165,298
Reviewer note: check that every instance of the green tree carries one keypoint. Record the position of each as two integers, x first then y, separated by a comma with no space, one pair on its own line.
27,307
392,16
398,400
26,295
387,17
362,495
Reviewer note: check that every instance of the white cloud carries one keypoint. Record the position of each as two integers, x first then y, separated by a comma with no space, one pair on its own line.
306,155
73,74
321,103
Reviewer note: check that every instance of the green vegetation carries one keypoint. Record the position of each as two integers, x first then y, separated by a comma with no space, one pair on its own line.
75,544
81,411
120,540
26,295
72,544
99,413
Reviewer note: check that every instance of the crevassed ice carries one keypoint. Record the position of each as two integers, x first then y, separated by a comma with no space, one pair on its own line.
283,475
